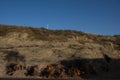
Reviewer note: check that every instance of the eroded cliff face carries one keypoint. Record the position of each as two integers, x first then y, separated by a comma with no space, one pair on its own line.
48,53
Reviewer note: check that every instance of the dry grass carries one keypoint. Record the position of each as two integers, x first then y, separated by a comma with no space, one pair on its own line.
40,33
60,35
34,33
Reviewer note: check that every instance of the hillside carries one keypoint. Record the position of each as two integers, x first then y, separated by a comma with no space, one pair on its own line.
27,51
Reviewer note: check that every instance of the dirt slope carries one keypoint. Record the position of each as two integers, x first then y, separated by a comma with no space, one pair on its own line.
74,51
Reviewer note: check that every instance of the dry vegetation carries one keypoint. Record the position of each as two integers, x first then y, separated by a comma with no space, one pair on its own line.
27,51
43,33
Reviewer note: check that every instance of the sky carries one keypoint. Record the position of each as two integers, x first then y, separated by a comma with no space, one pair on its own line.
91,16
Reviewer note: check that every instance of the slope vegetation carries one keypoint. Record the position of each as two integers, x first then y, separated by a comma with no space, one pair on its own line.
28,51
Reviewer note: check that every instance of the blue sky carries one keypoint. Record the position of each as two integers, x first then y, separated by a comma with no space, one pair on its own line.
92,16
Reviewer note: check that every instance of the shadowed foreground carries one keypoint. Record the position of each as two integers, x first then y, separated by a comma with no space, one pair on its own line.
40,79
56,79
94,69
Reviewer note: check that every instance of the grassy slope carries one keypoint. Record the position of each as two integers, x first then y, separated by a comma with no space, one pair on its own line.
60,35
